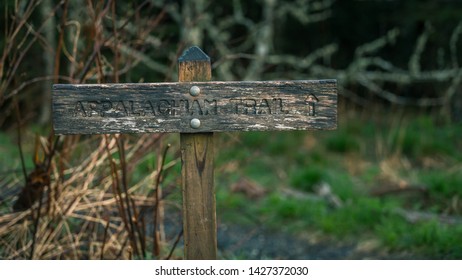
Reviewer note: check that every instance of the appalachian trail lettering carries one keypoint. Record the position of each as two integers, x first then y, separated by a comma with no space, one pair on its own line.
179,107
195,107
191,107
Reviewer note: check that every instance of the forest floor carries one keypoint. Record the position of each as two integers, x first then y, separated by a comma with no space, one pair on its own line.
257,242
380,187
236,241
387,186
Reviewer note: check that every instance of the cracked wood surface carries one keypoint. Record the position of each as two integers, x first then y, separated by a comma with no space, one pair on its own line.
220,106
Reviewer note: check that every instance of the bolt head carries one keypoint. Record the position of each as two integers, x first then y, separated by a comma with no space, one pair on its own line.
194,90
195,123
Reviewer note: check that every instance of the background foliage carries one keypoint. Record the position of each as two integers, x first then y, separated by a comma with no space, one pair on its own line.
395,156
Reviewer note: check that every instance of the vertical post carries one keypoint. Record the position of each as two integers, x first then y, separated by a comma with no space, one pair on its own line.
199,214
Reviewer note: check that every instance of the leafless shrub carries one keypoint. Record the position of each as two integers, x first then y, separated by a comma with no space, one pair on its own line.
87,206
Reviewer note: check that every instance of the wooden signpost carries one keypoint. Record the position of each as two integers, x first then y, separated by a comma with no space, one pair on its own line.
195,107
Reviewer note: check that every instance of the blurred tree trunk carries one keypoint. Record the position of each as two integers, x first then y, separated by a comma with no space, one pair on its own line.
193,14
48,57
263,42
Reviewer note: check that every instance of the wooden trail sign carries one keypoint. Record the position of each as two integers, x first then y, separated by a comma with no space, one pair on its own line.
197,153
195,107
218,106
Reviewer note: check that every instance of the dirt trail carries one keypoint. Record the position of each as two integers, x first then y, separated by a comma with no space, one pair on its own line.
255,243
241,242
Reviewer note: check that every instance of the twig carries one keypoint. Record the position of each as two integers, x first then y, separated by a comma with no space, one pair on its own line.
122,248
36,80
116,43
60,40
415,217
106,229
97,48
18,60
36,225
129,208
139,228
21,154
177,240
158,198
116,190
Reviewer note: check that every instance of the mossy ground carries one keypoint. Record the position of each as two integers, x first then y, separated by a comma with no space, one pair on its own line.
361,162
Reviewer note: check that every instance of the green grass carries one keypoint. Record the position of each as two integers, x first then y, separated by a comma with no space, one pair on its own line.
443,184
428,240
342,142
350,161
356,217
262,156
10,160
423,137
307,177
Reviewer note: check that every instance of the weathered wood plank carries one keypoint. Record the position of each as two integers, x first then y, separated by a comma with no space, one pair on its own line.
220,106
197,153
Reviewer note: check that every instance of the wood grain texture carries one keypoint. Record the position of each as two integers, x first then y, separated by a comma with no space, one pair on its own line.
197,154
220,106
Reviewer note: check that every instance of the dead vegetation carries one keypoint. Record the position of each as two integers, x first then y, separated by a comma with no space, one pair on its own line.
81,199
90,209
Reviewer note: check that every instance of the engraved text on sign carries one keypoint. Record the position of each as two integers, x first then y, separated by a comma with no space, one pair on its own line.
220,106
179,107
